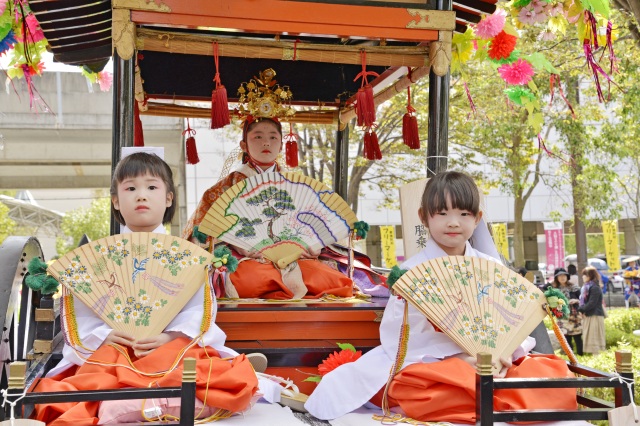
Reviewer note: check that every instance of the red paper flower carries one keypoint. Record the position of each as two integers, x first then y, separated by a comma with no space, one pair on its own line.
502,45
336,359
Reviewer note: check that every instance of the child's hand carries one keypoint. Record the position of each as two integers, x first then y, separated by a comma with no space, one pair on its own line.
504,365
144,347
310,254
250,254
119,338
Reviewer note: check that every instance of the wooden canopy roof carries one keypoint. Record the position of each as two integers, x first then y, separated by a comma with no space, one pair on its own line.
320,41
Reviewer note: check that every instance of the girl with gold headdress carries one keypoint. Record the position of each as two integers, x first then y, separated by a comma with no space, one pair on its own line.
261,143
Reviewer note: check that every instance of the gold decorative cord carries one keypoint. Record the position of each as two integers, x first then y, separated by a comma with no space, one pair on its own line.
561,339
403,342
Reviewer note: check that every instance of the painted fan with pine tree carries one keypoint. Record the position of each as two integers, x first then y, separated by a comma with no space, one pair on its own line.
481,305
280,215
136,283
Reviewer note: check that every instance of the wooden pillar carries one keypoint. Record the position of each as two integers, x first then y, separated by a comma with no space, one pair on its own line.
438,132
122,133
341,176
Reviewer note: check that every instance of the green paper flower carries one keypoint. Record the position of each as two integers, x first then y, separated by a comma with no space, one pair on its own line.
558,302
222,257
519,95
38,279
361,229
199,235
394,276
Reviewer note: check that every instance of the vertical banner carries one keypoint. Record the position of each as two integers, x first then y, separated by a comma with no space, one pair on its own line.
414,234
500,238
388,241
611,243
554,235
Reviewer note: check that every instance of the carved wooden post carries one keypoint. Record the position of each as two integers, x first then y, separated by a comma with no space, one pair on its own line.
484,390
188,396
625,370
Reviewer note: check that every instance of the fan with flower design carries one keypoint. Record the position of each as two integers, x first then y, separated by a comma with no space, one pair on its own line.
136,283
481,305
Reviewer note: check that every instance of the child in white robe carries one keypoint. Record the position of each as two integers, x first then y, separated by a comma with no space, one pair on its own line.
450,209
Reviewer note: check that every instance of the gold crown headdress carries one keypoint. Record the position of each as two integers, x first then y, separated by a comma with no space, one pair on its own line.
262,97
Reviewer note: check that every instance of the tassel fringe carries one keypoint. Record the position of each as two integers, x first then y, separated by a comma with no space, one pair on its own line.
191,149
371,146
219,101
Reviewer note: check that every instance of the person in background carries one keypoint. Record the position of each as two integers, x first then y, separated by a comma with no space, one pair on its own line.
572,326
632,282
591,307
573,274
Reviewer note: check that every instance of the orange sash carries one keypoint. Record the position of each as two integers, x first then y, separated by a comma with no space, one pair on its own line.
253,279
228,385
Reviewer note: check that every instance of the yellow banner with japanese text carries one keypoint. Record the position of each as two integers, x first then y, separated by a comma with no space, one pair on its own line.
611,243
500,238
388,242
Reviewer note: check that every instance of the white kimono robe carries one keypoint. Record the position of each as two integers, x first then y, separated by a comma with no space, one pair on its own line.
352,385
93,331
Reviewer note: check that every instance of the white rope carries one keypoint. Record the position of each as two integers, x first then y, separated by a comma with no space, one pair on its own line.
427,162
5,400
629,383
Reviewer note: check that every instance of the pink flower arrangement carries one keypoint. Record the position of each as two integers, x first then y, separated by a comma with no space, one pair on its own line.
3,6
517,73
105,79
491,25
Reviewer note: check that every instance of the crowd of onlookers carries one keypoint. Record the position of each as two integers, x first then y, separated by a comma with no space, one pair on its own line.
584,327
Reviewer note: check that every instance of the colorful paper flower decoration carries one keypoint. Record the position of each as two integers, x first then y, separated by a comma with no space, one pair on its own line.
492,25
346,355
518,73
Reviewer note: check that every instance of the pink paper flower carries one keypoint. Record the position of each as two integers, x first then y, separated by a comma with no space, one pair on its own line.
105,79
491,25
3,5
517,73
35,33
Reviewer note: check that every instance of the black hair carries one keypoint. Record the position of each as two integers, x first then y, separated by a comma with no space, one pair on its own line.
572,270
522,271
138,164
456,186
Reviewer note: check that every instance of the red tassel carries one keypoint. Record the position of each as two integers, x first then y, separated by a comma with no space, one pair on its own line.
371,146
410,134
219,108
365,106
291,148
219,102
192,149
291,153
138,135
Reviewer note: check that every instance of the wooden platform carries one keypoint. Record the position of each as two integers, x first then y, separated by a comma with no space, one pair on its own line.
296,337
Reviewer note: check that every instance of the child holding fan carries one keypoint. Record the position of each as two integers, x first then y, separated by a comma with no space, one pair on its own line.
142,194
437,380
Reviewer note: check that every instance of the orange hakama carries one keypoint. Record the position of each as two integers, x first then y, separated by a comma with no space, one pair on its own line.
445,391
228,385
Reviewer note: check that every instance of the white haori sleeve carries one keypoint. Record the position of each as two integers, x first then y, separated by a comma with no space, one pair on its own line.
350,386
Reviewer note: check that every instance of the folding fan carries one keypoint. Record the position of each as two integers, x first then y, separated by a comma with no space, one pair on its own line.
279,215
136,283
481,305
